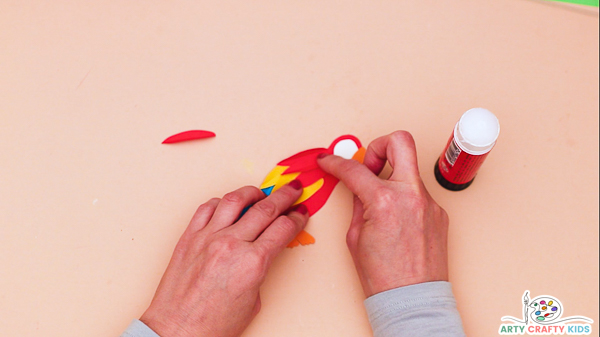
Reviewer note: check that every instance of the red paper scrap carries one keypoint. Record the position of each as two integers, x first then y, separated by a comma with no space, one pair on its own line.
188,135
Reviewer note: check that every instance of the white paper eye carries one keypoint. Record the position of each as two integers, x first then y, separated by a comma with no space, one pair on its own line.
345,148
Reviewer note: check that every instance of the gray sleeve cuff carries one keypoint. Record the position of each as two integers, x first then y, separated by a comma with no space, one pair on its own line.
426,309
139,329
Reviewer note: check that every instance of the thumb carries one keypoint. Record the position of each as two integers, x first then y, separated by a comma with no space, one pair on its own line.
356,176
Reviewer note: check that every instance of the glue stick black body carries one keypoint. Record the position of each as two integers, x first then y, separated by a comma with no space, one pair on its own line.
473,138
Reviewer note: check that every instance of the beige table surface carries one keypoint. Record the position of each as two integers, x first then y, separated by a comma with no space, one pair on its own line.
91,203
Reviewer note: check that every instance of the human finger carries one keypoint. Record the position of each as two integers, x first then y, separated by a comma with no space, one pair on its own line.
356,176
399,149
358,211
232,204
203,215
263,213
282,231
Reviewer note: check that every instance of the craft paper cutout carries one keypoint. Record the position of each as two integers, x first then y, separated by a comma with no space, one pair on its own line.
318,185
188,135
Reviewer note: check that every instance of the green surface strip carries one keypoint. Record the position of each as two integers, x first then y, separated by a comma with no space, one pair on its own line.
580,2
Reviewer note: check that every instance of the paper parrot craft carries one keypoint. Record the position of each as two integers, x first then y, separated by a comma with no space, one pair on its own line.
318,185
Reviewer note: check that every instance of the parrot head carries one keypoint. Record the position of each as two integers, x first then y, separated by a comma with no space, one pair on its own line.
348,147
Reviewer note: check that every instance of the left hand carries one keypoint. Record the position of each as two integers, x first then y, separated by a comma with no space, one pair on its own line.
211,286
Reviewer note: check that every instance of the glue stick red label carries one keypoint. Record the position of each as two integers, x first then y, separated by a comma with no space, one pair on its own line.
473,138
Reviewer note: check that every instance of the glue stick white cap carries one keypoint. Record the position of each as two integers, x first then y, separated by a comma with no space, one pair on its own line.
477,131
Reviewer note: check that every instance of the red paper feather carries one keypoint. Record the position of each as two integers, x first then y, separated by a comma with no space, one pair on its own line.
315,202
303,161
189,135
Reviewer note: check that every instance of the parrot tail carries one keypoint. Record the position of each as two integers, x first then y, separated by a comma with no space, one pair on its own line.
303,238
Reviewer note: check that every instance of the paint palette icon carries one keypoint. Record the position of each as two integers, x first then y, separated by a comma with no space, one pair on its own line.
545,309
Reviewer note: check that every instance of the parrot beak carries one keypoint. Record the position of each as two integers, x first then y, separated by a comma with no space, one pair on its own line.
360,155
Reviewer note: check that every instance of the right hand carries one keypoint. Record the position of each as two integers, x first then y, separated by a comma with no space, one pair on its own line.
398,233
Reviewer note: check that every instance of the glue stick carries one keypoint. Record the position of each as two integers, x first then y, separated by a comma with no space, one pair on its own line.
473,138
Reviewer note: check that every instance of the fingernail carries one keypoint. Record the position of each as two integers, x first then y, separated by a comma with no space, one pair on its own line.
296,184
322,155
301,209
